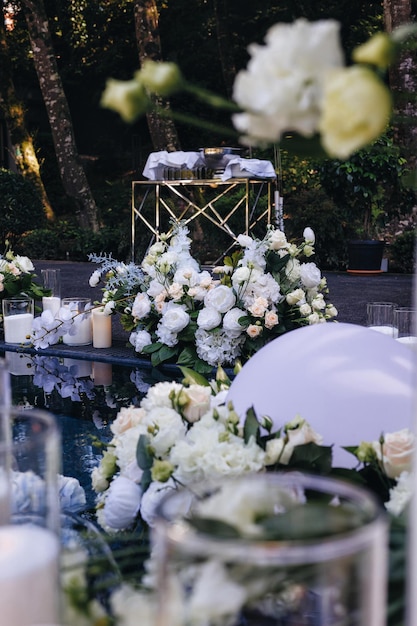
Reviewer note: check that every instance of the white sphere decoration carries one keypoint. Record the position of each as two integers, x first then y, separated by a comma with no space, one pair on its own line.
349,382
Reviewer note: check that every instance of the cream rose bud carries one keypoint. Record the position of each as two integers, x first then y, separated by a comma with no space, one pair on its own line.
308,250
163,79
197,400
379,50
331,310
128,98
221,298
397,452
310,275
208,318
295,297
253,330
305,309
314,318
273,451
356,110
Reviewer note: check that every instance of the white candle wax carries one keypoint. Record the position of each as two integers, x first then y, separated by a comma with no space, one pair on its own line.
101,329
29,574
17,328
51,303
411,341
386,330
83,335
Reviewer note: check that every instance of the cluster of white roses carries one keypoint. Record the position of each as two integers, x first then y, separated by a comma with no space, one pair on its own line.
296,83
17,277
258,295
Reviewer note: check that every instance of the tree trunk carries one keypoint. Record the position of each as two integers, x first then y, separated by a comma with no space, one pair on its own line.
24,154
221,14
403,83
72,173
162,130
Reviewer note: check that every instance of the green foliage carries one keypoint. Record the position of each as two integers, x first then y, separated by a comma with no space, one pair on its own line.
68,241
21,207
367,188
402,252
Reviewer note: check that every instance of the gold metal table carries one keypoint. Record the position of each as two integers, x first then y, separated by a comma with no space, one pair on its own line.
157,204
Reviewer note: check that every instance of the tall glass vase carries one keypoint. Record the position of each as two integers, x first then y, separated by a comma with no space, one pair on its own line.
271,549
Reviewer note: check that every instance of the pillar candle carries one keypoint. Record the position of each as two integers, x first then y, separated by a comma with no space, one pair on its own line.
29,575
101,329
51,303
17,328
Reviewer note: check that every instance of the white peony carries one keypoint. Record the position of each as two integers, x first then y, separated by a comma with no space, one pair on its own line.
310,275
141,306
122,503
24,264
95,278
174,319
208,318
231,321
220,298
140,339
281,89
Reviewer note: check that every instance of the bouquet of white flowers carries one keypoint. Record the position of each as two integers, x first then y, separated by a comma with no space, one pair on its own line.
198,319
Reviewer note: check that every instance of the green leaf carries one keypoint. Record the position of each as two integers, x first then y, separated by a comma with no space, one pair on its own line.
311,520
193,378
214,527
143,457
251,426
312,457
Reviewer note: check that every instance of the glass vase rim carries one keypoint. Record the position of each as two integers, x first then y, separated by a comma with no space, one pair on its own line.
183,537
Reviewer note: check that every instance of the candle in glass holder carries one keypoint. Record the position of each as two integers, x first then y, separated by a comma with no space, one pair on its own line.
17,319
52,281
101,329
28,575
83,335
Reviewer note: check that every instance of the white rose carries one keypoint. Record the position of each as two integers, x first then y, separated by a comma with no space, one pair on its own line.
220,298
197,402
244,241
310,275
273,450
400,494
292,270
127,418
175,318
277,240
253,330
314,318
299,432
24,263
231,321
397,452
208,318
305,309
141,306
140,339
241,275
309,235
271,319
122,503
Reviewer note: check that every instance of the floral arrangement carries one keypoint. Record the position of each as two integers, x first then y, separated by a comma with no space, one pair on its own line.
176,312
187,432
296,83
17,277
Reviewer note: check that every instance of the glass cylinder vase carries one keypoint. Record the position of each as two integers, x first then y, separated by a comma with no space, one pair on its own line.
281,549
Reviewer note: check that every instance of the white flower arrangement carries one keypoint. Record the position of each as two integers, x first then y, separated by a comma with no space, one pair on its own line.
176,312
186,433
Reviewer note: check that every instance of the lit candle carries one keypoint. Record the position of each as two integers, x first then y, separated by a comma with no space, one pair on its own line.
101,329
29,574
51,303
18,328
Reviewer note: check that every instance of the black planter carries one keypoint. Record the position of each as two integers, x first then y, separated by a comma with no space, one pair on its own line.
365,255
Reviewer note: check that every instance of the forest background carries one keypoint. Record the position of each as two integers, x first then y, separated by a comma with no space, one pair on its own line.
67,164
